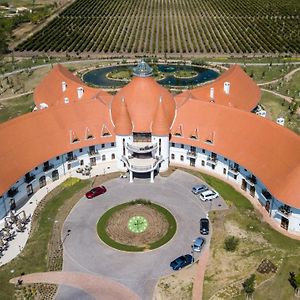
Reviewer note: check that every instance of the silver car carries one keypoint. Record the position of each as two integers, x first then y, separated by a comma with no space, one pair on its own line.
197,189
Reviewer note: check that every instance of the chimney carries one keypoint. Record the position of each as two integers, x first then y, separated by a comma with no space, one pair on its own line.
80,92
66,100
226,87
64,86
212,94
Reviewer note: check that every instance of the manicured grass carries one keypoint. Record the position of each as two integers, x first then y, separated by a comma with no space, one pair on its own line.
258,240
34,256
278,107
15,107
101,226
268,73
185,74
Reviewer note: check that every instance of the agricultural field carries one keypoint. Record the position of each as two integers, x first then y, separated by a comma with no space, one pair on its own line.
172,27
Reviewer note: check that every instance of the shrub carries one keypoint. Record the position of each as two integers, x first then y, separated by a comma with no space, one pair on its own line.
231,243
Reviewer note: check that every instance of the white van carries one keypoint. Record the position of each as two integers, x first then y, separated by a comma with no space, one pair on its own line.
208,195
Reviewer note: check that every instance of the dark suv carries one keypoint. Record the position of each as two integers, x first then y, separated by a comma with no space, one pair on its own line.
204,226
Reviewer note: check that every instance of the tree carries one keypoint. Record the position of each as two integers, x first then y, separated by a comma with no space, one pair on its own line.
295,282
248,286
231,243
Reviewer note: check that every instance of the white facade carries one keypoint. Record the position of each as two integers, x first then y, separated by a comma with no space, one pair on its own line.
163,153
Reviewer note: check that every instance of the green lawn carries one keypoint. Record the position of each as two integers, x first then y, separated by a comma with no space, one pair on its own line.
268,73
15,107
101,227
276,106
34,256
257,241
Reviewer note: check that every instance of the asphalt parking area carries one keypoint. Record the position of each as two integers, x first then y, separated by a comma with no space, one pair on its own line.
85,252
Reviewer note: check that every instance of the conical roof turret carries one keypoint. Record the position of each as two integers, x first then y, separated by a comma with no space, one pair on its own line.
160,124
123,125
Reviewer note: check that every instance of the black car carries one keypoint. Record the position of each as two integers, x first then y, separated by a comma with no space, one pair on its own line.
181,262
204,226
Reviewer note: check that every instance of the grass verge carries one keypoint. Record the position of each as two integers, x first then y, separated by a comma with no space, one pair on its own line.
34,257
101,226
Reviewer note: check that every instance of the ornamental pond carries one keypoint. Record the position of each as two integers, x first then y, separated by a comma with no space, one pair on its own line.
171,75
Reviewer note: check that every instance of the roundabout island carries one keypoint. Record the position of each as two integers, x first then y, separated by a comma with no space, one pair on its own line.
139,225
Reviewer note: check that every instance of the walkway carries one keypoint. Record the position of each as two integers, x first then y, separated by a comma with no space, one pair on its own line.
96,286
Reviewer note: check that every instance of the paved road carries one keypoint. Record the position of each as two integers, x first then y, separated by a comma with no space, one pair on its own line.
84,252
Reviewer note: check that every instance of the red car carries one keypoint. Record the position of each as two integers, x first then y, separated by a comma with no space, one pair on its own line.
96,191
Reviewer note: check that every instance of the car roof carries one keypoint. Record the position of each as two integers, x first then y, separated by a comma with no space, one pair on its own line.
209,192
199,241
198,186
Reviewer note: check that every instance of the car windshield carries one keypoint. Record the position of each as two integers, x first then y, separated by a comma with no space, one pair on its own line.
198,242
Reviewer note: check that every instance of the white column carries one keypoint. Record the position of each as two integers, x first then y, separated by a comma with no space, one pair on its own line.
152,177
130,176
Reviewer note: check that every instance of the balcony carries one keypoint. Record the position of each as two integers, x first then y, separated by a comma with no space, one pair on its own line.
284,210
71,158
234,170
212,160
48,167
12,192
142,165
93,152
141,147
191,154
266,195
251,180
29,178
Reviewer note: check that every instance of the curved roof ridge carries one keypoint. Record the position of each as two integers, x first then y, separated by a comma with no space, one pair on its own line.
241,92
160,124
123,124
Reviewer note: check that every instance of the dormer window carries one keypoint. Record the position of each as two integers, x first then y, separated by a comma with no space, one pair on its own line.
66,100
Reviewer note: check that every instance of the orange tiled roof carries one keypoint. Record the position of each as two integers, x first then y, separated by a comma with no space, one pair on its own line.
243,92
50,91
123,125
36,137
142,95
271,152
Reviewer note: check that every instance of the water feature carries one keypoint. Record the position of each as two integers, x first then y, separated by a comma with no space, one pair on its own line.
98,77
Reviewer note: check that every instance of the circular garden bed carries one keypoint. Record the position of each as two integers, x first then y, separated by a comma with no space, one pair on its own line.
138,225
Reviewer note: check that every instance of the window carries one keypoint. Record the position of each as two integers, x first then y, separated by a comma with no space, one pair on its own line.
113,156
182,146
42,181
202,163
80,150
203,151
112,144
55,175
173,145
181,158
103,157
225,159
69,166
102,145
142,137
193,149
213,166
224,171
57,157
235,176
172,156
81,162
36,168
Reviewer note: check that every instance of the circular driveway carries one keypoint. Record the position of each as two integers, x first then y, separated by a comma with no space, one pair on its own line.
85,252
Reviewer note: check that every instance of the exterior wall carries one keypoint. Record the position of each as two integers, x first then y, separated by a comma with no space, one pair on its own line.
61,164
163,150
179,156
121,142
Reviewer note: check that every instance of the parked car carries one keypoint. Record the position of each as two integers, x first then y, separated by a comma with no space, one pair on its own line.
208,195
197,189
96,191
181,262
204,226
198,244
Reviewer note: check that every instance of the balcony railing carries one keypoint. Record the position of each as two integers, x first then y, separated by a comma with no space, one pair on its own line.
212,160
141,149
284,210
29,178
192,154
12,192
48,167
93,152
234,170
71,158
251,180
142,168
